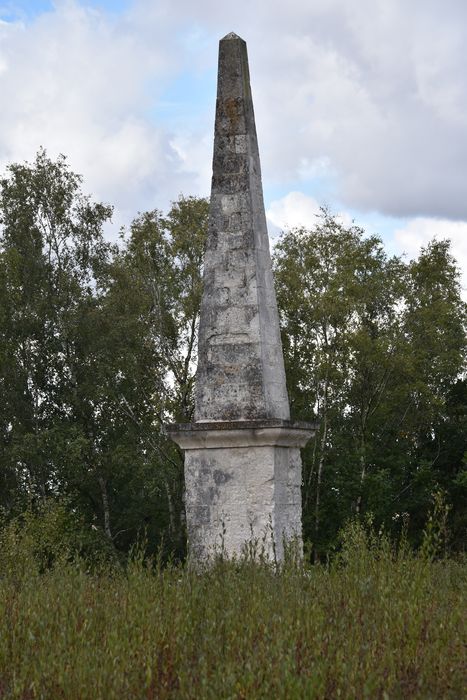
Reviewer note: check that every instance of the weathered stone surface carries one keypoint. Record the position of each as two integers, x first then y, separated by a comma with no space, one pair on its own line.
252,499
241,370
242,453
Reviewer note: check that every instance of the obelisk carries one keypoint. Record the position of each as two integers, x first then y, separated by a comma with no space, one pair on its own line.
242,453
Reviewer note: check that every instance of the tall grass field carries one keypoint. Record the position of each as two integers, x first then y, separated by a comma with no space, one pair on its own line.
377,622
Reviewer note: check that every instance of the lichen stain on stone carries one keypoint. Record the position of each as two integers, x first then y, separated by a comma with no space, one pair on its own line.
232,112
221,477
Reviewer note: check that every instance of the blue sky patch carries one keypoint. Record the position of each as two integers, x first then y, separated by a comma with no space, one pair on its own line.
23,10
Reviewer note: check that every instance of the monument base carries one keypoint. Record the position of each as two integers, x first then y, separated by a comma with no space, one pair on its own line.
243,486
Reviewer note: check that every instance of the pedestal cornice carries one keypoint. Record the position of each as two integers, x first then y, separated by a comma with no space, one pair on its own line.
221,434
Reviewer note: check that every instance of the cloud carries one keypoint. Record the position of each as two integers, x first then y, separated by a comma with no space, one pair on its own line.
294,210
195,154
420,231
76,81
297,210
377,88
368,93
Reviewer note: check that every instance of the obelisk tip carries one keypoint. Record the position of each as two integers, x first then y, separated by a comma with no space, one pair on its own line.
230,36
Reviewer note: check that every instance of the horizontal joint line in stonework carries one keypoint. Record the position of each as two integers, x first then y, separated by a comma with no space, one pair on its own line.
227,334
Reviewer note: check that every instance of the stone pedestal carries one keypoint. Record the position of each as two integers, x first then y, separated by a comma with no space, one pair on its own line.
243,486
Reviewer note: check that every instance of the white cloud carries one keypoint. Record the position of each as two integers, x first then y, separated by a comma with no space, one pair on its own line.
420,231
376,88
294,210
76,82
297,210
195,153
372,92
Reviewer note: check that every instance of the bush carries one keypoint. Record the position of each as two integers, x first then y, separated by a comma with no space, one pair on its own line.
47,535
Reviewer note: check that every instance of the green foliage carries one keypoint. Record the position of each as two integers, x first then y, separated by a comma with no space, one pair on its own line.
52,261
375,350
378,622
153,306
436,532
98,345
97,353
48,535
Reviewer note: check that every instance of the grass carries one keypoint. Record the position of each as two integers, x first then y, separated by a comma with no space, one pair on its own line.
375,623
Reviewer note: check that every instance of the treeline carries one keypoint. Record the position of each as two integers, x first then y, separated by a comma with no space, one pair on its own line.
98,352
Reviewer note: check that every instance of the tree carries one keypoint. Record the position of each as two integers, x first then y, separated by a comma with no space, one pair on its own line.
52,258
353,322
154,300
98,351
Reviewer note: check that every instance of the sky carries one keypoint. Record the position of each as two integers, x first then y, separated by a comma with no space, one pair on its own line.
361,105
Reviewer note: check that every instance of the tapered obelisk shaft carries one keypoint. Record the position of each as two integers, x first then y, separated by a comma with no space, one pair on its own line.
241,370
242,456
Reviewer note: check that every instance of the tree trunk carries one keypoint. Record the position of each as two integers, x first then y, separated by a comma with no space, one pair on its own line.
171,508
307,485
362,478
105,506
358,503
321,464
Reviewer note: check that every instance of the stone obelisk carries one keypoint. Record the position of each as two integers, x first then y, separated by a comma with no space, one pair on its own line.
242,453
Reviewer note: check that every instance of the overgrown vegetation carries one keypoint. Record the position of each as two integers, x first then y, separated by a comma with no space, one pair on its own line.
376,622
97,353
